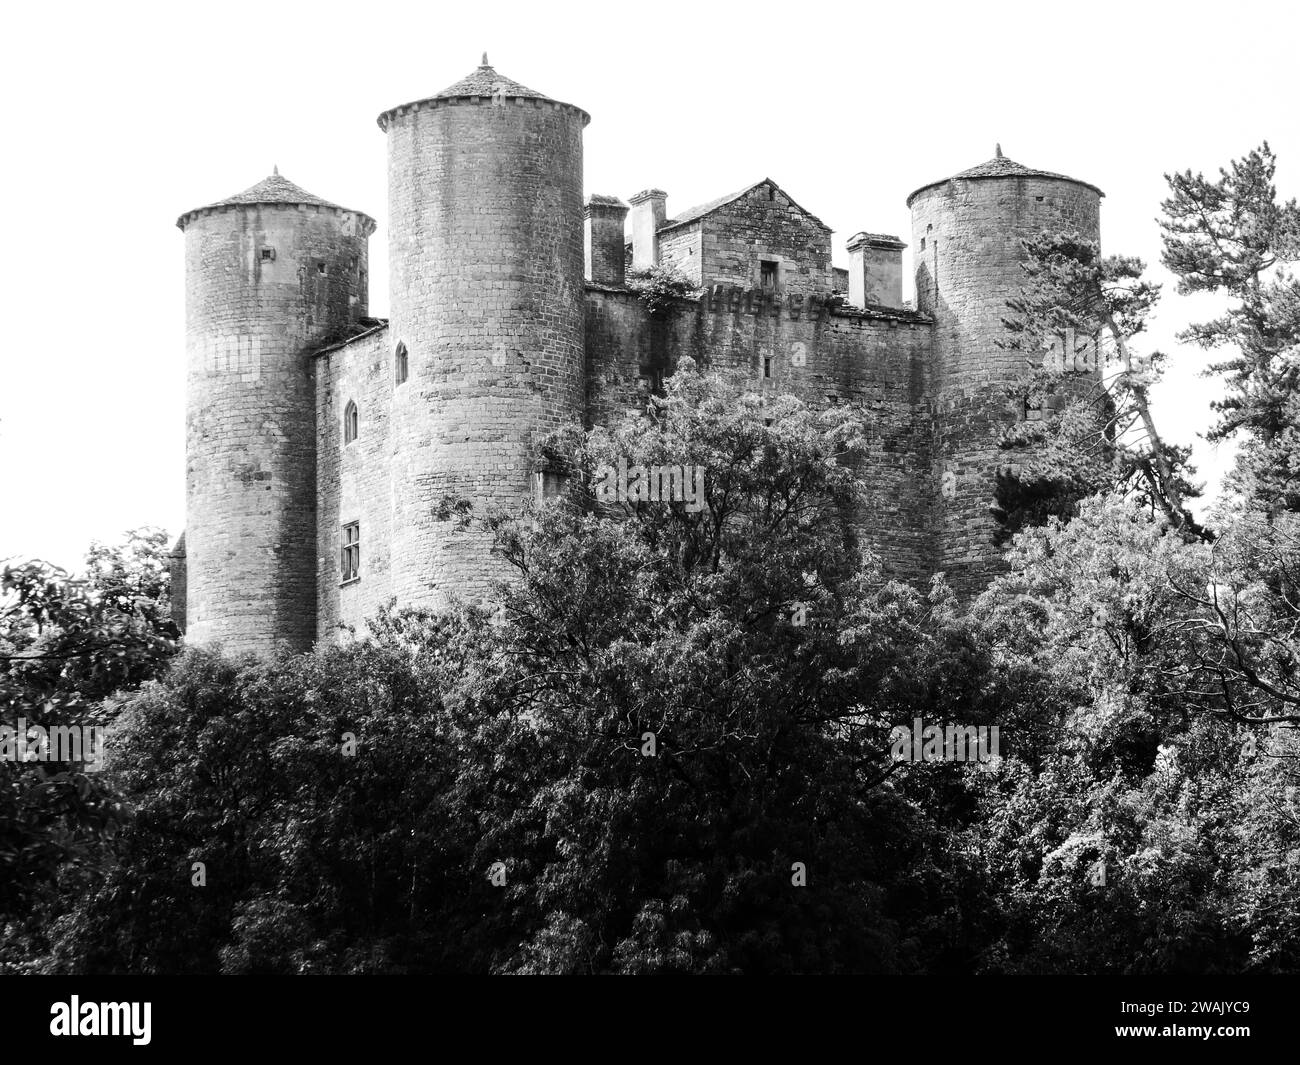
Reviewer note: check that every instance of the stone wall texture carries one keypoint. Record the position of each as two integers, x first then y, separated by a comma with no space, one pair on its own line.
251,324
507,340
604,259
766,224
966,237
354,481
486,268
878,363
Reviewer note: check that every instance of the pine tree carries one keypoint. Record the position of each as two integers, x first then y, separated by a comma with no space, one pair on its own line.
1232,237
1080,312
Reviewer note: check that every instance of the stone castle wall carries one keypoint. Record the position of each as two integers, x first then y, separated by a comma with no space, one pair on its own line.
486,268
876,362
681,249
506,340
966,238
265,285
354,483
756,227
763,224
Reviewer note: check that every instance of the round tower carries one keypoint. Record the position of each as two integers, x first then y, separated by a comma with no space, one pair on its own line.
270,274
486,274
966,233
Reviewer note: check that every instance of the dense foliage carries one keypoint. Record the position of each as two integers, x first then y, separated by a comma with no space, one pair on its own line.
665,746
67,643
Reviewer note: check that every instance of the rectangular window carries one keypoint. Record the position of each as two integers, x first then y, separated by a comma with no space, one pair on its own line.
767,365
768,274
351,551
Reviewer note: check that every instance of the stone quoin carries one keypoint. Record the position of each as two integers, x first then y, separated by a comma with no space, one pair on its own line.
321,442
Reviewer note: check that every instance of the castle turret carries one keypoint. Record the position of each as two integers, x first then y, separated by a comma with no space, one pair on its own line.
270,274
966,234
486,269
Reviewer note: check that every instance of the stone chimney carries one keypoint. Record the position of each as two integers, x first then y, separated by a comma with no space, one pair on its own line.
649,211
875,270
602,230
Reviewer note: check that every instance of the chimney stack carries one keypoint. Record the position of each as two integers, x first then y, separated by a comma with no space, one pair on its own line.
875,270
649,212
602,229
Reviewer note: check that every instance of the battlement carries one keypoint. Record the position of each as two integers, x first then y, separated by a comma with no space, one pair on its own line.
323,444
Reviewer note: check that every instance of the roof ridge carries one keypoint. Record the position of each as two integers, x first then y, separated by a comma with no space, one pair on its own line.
697,212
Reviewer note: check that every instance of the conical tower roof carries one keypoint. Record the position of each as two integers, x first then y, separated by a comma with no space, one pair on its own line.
1000,167
485,81
485,84
273,189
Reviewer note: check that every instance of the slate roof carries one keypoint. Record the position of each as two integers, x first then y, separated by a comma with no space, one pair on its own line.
696,213
1000,166
484,82
274,189
353,332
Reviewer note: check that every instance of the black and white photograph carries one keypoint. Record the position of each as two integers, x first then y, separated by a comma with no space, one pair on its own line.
596,489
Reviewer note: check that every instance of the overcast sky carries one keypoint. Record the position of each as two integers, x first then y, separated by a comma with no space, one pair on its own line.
119,117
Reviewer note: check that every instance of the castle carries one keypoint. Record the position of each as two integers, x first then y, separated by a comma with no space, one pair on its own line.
320,441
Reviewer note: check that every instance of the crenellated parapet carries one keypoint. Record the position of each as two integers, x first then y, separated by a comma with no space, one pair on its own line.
328,453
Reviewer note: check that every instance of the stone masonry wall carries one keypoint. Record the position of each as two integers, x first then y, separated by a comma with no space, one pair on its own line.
486,268
680,249
737,236
354,482
876,362
966,239
250,427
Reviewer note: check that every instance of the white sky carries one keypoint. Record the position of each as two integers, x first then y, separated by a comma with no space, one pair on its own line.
119,117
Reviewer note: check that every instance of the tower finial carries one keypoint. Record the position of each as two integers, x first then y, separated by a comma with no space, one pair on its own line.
276,169
485,62
999,151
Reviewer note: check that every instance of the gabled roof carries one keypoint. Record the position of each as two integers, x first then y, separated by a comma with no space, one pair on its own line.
696,213
351,333
274,189
998,167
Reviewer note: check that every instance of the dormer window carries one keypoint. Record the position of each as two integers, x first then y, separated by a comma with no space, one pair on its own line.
350,422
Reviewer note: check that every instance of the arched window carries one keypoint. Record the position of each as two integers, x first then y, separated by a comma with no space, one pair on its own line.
401,363
349,422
